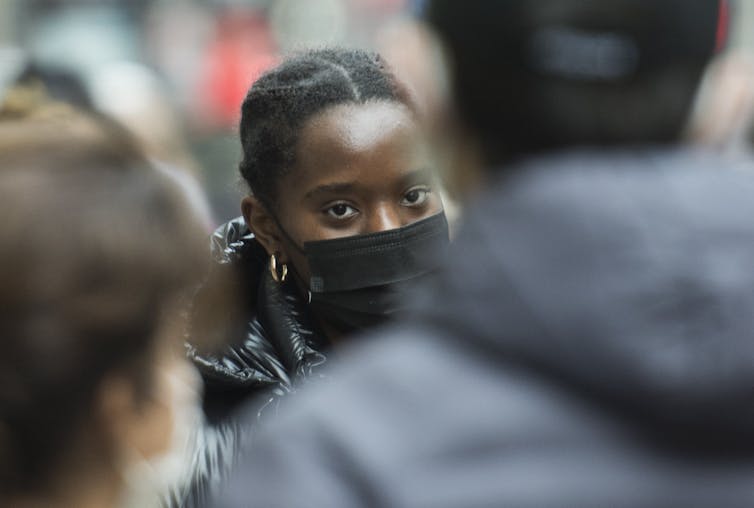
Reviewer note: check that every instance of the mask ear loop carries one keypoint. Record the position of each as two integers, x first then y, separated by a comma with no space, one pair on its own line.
288,237
295,245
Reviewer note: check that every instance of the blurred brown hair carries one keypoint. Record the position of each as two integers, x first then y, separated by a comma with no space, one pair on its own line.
94,246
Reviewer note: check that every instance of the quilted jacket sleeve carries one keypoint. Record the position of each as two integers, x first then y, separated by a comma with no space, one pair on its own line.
267,349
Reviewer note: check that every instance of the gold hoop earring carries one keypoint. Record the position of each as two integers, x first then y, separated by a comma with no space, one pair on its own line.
278,277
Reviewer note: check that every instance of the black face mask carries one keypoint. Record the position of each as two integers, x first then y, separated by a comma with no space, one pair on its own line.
360,281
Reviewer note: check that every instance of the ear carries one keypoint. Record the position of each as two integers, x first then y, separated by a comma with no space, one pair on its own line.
724,108
264,227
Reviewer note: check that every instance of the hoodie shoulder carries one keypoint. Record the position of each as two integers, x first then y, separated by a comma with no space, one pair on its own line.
615,270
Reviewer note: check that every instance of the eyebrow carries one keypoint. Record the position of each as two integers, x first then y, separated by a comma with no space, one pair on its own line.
423,174
345,187
331,188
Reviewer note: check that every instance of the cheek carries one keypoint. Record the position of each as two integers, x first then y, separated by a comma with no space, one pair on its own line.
163,423
151,428
176,393
301,267
436,204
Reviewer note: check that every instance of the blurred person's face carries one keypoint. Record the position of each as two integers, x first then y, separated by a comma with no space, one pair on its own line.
148,425
152,430
360,169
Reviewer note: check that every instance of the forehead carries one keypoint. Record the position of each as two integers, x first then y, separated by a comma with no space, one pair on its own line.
377,137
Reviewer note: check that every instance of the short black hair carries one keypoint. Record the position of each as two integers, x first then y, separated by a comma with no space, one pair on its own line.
533,76
279,102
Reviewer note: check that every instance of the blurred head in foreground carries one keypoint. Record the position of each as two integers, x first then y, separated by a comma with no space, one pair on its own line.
535,77
97,250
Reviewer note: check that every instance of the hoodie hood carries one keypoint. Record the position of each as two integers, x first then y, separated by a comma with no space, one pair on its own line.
627,277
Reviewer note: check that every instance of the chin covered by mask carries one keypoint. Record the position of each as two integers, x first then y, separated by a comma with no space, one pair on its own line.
361,281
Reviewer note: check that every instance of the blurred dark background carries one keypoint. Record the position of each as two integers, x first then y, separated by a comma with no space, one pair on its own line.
176,71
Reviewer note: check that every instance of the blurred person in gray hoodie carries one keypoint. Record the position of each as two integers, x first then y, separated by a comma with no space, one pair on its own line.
589,342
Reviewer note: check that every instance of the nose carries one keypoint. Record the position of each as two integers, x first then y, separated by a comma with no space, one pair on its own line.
384,218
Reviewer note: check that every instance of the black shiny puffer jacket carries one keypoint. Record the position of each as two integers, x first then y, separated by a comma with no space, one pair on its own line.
271,347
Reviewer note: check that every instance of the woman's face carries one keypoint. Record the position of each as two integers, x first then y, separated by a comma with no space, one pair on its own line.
359,169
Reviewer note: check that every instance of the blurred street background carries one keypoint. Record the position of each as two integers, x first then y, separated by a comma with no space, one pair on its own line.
176,71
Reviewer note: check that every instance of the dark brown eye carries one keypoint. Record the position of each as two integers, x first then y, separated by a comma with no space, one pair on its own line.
416,196
341,211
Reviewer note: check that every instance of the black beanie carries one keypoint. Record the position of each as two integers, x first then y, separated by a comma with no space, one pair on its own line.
582,39
536,75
